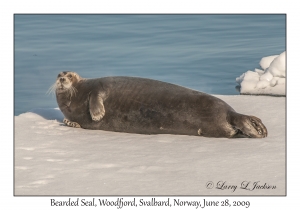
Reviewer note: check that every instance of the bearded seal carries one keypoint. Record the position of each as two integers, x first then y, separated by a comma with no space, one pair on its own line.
145,106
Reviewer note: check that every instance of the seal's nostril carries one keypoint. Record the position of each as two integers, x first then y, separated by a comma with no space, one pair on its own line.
62,79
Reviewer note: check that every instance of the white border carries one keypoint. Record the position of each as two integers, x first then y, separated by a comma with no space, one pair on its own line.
8,8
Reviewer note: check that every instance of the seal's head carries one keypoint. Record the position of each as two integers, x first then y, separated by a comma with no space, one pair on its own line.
65,83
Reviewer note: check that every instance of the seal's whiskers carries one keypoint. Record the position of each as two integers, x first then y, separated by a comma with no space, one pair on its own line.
52,89
72,90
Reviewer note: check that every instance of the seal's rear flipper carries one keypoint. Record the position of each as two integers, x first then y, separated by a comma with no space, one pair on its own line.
248,126
71,124
258,126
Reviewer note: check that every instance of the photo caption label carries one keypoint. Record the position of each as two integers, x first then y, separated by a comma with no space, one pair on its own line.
120,203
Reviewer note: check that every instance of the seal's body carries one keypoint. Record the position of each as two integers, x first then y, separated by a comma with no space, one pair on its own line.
145,106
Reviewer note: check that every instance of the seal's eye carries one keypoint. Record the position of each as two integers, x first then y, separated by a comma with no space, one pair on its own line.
70,76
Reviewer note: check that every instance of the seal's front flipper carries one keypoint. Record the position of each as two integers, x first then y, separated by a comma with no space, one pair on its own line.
71,124
96,106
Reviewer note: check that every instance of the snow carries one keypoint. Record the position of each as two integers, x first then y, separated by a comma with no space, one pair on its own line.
53,159
269,81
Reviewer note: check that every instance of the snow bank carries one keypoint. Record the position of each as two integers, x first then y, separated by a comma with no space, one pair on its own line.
52,159
269,81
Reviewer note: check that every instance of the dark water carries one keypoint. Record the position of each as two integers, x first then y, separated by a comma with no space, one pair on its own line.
202,52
